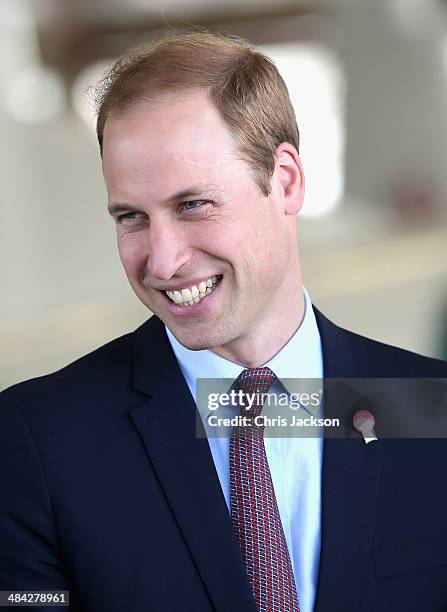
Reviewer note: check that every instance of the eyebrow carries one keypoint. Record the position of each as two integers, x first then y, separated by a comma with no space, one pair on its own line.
193,191
115,209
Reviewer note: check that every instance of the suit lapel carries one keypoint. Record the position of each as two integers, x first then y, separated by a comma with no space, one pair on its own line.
167,425
350,482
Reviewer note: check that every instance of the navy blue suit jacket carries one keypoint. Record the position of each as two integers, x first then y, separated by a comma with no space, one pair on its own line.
106,491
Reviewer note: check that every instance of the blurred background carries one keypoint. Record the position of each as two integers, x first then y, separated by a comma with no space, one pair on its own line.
368,80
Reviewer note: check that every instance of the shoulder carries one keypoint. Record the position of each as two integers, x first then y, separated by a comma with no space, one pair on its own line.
362,354
393,361
89,369
105,373
385,359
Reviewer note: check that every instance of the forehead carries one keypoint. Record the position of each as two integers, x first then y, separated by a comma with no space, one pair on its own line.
160,144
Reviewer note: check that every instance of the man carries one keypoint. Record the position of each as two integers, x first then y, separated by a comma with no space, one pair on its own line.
107,491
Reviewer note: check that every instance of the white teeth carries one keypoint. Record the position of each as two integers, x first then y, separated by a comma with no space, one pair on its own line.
186,295
193,295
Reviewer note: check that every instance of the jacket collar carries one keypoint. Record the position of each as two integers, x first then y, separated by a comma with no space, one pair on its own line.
343,352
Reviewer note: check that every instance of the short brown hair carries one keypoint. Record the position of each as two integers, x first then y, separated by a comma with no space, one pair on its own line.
244,85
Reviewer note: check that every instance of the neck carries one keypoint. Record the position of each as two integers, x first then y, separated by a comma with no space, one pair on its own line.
263,343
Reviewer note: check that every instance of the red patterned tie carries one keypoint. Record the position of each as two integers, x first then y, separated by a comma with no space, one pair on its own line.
254,509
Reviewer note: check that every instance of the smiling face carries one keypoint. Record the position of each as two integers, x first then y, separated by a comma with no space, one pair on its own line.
202,247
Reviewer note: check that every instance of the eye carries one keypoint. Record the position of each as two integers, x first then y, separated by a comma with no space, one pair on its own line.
131,218
193,204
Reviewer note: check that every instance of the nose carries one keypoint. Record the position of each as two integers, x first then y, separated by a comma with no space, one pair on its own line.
168,250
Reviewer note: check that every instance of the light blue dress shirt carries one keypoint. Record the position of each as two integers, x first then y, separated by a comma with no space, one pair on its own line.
295,463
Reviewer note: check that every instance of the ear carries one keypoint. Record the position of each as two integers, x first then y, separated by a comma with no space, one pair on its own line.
289,178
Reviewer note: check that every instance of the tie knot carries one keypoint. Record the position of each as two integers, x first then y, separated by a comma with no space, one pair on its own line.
254,384
255,380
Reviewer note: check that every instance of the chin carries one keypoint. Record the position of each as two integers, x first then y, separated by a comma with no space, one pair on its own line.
193,344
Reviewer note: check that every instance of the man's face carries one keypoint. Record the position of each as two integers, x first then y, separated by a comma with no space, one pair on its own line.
202,247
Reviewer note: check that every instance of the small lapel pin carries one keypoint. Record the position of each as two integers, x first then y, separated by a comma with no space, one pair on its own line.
364,422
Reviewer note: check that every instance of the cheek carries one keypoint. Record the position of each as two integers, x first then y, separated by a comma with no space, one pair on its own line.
271,255
133,253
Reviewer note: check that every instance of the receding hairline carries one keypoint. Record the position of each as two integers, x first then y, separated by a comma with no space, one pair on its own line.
153,98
